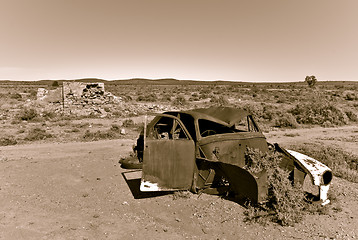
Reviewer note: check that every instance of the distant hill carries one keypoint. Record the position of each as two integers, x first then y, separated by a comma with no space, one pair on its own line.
171,81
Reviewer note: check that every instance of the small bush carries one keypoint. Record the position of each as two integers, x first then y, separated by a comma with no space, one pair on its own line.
285,120
48,115
181,194
350,96
285,201
8,140
111,133
220,100
179,100
128,123
352,116
27,114
117,113
94,136
72,130
37,134
166,98
115,127
15,96
147,98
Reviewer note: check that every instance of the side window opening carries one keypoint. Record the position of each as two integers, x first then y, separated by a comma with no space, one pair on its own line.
246,125
168,128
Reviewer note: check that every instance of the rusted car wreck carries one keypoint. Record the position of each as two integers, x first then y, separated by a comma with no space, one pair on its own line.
203,149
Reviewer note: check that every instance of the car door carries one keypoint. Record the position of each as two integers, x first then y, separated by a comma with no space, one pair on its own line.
169,156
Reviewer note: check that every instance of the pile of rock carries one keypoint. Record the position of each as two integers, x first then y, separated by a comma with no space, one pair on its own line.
87,98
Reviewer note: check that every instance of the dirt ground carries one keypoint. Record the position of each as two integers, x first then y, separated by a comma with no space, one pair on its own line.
78,191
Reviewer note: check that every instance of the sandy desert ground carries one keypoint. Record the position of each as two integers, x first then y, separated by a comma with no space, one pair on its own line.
77,190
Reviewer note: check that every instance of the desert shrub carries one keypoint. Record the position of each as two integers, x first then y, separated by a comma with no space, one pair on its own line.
219,100
115,127
128,123
151,97
97,135
55,84
349,96
27,114
205,90
7,140
342,163
37,134
285,120
195,99
285,201
262,111
117,113
15,96
256,109
33,94
181,194
179,100
48,115
72,130
166,98
318,113
127,98
112,133
351,116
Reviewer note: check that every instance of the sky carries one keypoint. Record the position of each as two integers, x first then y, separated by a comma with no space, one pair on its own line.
238,40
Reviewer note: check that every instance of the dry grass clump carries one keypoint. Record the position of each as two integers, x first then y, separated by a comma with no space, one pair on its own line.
219,100
27,114
98,135
181,194
7,140
36,134
179,100
150,97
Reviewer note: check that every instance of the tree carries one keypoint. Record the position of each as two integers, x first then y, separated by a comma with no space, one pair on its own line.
311,81
55,84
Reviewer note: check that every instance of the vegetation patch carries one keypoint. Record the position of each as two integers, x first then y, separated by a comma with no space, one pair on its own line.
318,113
7,140
285,201
27,114
37,134
179,100
112,133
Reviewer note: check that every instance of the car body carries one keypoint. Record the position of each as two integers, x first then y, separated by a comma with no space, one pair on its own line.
204,150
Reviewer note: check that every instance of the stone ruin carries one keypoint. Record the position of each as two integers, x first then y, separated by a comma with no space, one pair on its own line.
80,98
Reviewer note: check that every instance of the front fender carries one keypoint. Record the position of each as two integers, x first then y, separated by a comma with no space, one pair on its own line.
320,174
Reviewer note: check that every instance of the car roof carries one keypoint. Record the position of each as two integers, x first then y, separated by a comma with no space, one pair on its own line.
224,115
